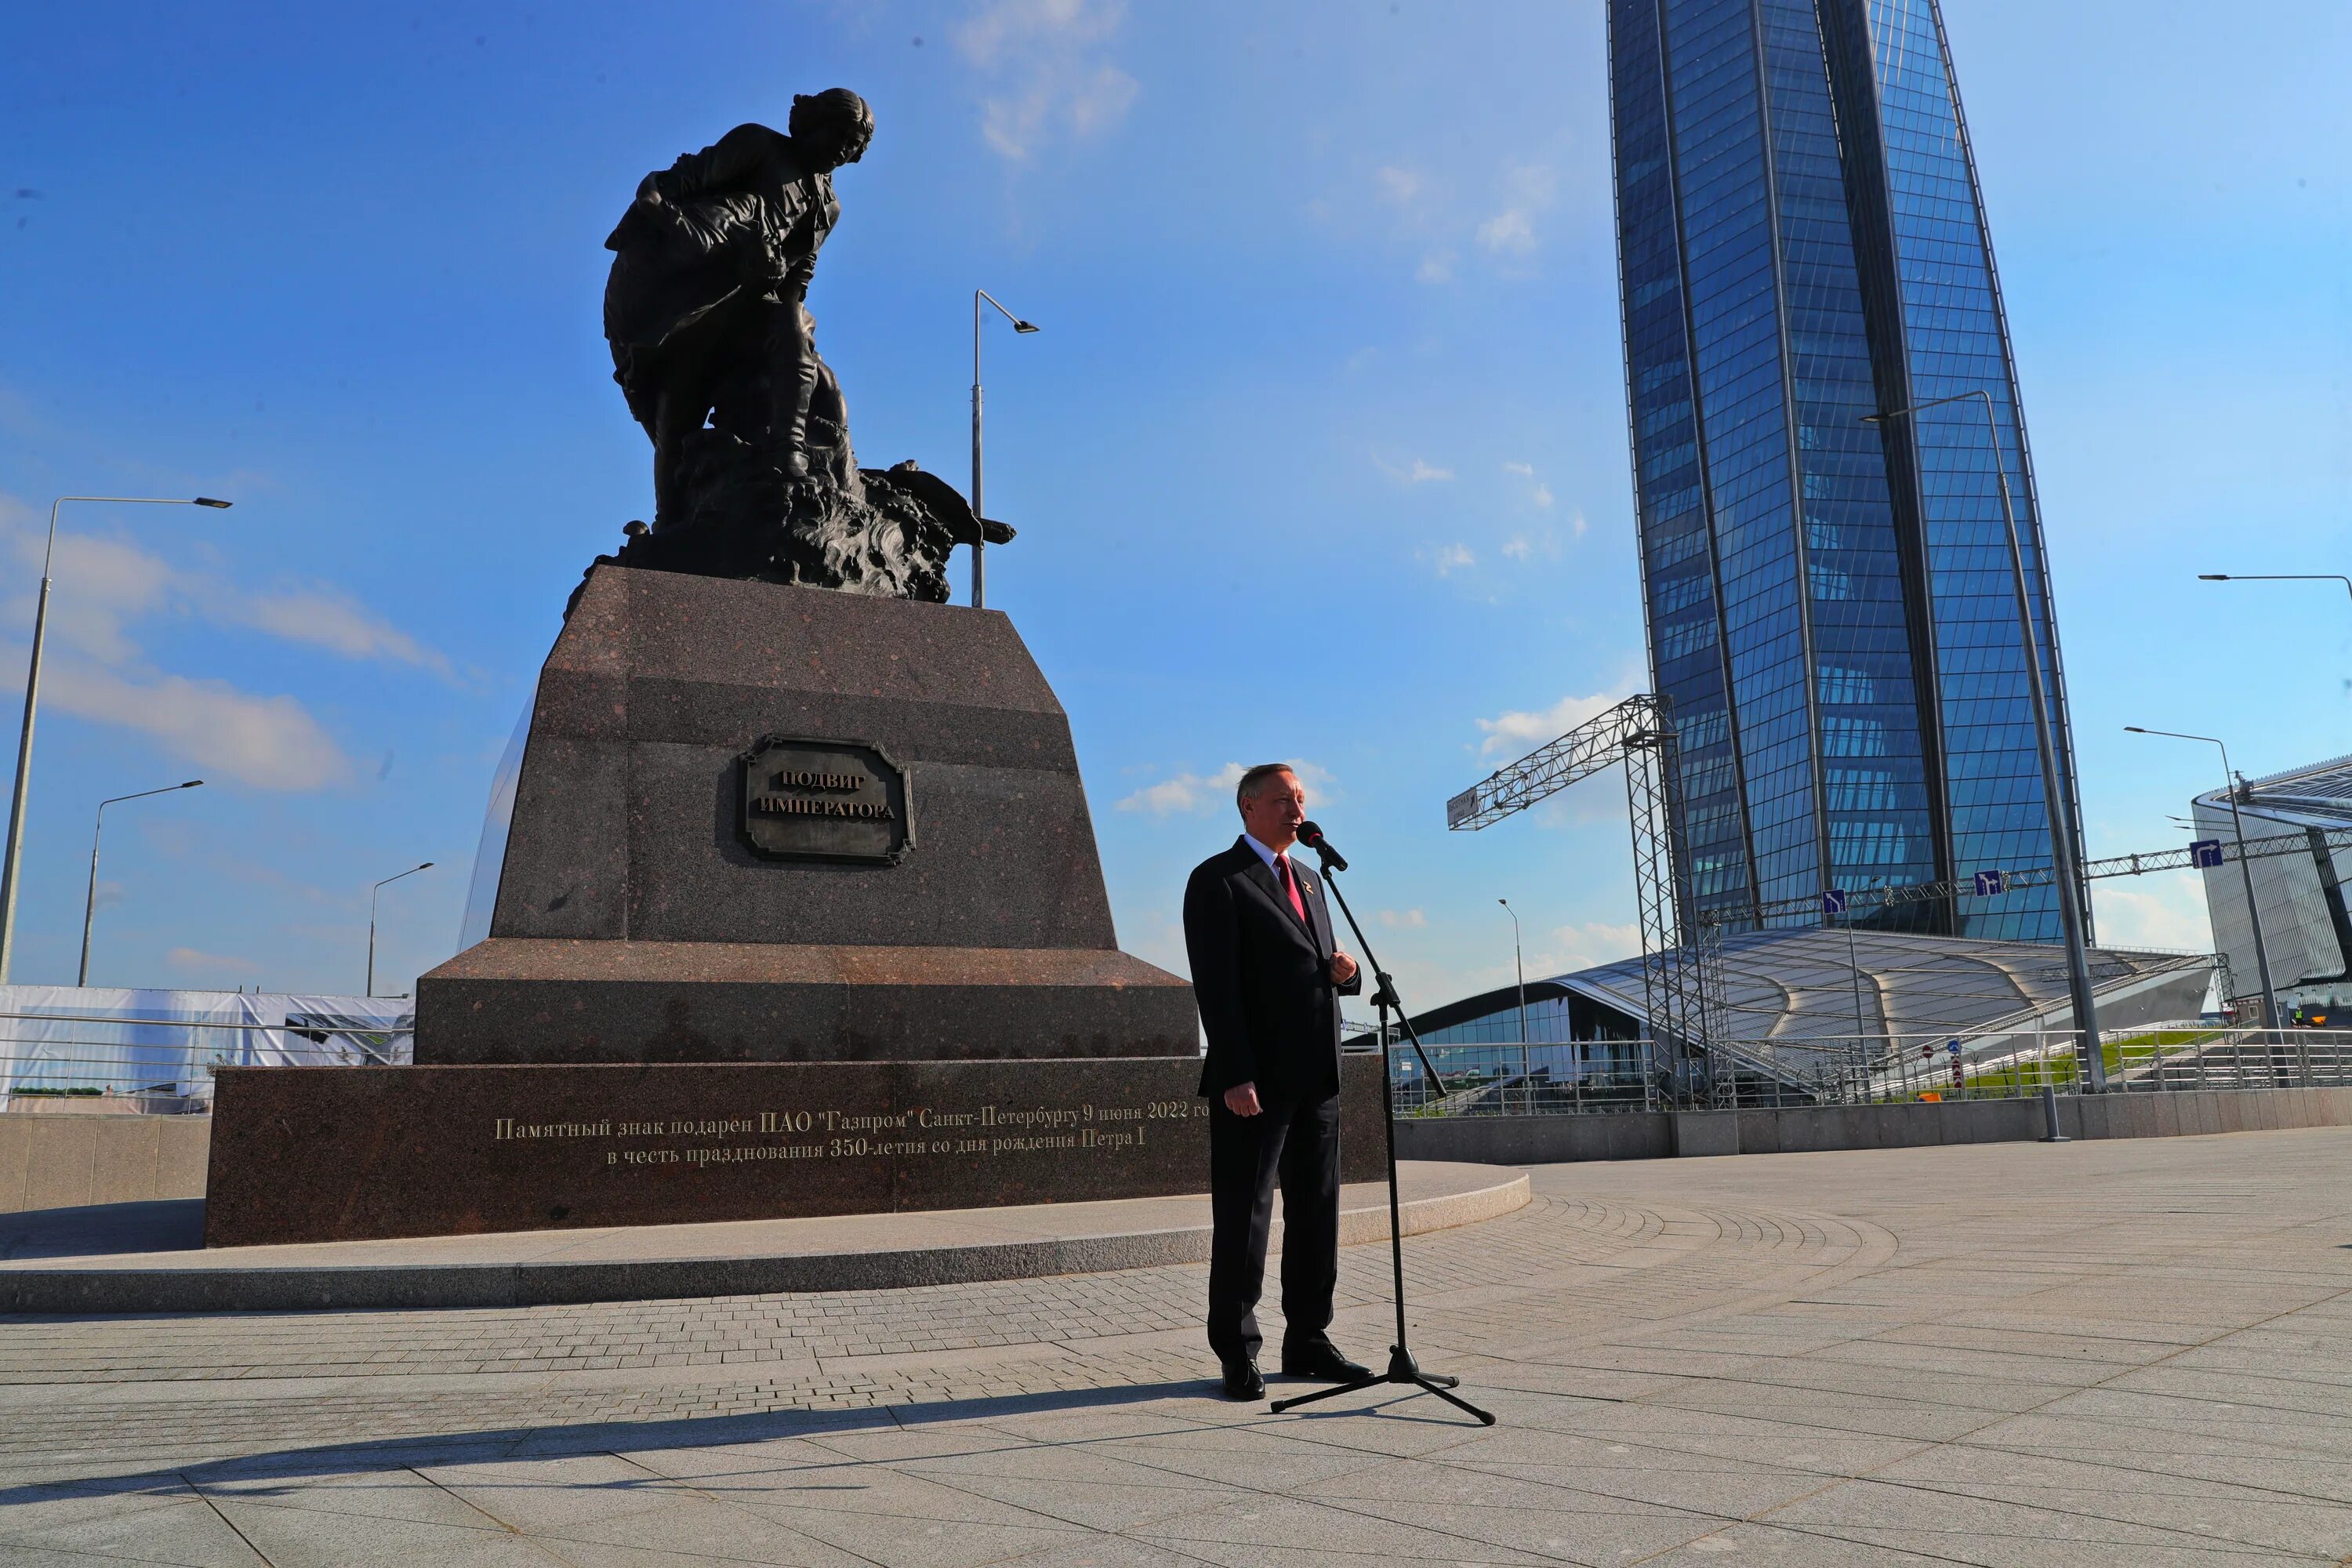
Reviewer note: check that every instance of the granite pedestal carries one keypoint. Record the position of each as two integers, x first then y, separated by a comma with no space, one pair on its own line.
345,1154
798,912
639,919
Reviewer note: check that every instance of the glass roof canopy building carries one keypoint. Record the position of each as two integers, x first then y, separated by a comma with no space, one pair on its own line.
2306,916
1831,610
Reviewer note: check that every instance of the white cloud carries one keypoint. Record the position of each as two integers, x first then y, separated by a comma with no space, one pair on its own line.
1399,186
1513,734
1450,559
1539,542
1437,266
1513,230
1405,919
1574,947
2156,911
1542,497
1538,493
269,742
1047,69
1420,471
105,585
1190,795
1526,190
1186,792
329,618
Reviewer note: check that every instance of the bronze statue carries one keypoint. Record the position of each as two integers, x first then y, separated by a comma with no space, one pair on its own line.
706,310
712,268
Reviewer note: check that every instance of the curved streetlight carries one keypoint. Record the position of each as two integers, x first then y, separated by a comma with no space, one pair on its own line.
89,905
2246,868
2276,577
1520,967
371,896
2061,820
12,859
979,569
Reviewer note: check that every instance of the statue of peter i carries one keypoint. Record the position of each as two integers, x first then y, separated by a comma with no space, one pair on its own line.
704,308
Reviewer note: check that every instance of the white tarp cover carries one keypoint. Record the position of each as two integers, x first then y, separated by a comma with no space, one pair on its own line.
140,1042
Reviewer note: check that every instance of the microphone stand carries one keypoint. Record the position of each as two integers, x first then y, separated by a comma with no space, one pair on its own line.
1402,1368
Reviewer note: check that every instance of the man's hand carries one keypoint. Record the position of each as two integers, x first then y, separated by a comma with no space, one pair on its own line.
1343,969
1241,1099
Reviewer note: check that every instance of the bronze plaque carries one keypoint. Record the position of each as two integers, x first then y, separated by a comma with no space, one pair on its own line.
824,800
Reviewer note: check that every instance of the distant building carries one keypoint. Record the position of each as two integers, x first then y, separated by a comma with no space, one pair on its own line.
1801,244
2301,895
1794,1000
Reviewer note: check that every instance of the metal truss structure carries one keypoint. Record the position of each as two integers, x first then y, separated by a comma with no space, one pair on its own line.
2302,841
1639,733
1681,952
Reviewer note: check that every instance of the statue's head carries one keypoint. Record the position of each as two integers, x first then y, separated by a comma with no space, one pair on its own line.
834,126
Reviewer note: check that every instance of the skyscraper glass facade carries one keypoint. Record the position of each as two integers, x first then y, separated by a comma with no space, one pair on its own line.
1830,602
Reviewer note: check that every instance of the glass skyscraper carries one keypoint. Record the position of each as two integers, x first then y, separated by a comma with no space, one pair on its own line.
1831,609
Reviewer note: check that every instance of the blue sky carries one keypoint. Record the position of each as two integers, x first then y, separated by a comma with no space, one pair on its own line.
1321,454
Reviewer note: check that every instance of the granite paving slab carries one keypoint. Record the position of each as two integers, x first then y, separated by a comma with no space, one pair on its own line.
1871,1357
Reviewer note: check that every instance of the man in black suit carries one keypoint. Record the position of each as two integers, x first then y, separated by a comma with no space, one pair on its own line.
1268,978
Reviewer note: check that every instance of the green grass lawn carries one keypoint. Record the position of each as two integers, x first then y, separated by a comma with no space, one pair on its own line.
2132,1051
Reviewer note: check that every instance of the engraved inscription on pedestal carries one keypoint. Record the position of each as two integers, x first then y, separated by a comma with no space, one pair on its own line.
824,800
366,1152
1070,1127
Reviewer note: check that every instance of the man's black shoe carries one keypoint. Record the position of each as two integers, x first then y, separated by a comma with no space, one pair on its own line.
1242,1379
1322,1362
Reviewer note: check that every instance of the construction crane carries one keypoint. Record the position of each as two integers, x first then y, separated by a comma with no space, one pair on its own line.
1639,734
1680,975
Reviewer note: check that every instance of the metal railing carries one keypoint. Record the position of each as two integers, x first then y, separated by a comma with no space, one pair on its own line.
71,1062
1569,1078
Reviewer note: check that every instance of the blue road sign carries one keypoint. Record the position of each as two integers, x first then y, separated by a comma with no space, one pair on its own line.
1833,902
2204,852
1988,883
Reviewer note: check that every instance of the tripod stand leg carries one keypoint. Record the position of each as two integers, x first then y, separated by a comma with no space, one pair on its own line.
1429,1384
1423,1382
1293,1403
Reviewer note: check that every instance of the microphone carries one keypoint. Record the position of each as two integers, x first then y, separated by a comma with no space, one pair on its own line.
1311,835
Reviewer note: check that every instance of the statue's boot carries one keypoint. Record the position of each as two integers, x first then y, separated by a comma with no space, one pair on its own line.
794,389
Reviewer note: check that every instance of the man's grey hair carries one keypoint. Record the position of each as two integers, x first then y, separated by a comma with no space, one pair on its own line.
1252,779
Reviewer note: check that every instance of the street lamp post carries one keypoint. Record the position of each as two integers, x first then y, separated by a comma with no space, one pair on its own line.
12,862
979,546
2245,866
1519,967
2062,820
2275,577
372,898
89,906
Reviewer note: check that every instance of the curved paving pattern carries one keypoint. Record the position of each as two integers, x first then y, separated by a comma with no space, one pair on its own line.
2128,1352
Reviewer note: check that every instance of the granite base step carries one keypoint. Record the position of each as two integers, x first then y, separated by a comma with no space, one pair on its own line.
148,1261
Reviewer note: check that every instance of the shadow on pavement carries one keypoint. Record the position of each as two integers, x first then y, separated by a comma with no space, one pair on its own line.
96,1230
589,1437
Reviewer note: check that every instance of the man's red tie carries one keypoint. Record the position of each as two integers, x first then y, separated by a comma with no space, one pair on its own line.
1290,886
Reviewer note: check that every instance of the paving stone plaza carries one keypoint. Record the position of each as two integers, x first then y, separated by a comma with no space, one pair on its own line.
2131,1352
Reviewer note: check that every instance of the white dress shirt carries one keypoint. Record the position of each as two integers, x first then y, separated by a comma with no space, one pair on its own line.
1268,856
